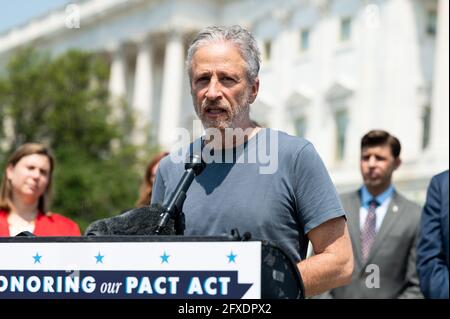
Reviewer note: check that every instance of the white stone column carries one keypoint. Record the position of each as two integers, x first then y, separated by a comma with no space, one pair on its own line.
117,78
401,78
322,132
282,58
440,99
171,90
117,81
143,91
366,107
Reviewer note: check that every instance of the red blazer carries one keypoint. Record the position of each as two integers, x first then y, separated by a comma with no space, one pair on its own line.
49,224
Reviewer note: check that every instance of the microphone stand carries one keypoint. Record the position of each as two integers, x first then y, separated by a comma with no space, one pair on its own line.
173,206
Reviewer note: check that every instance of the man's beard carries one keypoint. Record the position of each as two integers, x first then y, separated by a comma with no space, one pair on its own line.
231,116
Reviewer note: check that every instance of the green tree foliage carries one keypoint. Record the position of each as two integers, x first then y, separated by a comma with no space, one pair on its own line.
63,102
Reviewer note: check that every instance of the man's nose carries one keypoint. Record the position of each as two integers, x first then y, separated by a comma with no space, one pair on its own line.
372,161
214,90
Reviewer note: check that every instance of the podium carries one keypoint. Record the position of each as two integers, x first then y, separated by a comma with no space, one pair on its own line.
145,267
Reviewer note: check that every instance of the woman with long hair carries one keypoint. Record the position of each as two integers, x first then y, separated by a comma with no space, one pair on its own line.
145,193
25,194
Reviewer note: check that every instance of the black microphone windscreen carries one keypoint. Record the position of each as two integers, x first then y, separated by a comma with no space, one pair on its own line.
139,221
25,233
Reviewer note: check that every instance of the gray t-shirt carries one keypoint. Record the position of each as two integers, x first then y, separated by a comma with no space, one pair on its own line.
281,207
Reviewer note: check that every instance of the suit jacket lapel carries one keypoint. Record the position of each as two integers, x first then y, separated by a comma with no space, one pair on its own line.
354,227
389,220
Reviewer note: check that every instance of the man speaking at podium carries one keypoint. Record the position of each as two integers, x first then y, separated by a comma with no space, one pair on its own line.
287,202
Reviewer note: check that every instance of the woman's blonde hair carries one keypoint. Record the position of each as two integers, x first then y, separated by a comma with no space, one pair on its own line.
6,187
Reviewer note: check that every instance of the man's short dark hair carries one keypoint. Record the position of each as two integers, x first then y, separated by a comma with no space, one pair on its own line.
380,137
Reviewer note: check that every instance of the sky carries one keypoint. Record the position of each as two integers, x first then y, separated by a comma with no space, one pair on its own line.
17,12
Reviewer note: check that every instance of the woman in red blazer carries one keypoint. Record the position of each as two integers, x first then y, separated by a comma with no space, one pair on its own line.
25,194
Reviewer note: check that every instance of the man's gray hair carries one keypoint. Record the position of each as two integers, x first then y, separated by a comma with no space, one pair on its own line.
235,34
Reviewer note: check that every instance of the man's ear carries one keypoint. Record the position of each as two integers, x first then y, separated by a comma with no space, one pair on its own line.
254,91
397,163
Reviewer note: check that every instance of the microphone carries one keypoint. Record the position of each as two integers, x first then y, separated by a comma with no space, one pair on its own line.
139,221
174,204
25,233
155,219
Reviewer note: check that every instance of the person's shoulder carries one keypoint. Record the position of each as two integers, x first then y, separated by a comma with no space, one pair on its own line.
286,137
400,197
177,157
58,218
64,225
169,164
411,206
443,174
287,143
440,178
165,160
349,195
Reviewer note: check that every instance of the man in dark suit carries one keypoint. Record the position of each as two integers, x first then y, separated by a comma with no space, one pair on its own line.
432,250
383,226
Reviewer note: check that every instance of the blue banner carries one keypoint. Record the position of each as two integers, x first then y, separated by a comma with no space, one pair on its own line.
111,284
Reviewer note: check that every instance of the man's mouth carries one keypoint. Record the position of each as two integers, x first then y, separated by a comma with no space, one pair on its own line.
213,110
373,176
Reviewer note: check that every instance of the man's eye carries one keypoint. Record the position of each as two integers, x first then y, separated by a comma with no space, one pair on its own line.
203,79
228,81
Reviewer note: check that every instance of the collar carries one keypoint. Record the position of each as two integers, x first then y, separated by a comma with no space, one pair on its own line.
366,197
